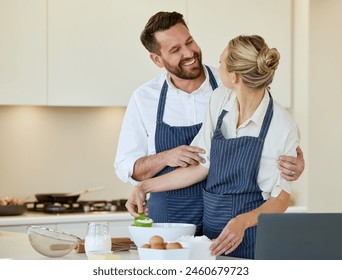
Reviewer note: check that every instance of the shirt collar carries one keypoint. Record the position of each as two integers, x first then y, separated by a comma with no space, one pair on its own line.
259,114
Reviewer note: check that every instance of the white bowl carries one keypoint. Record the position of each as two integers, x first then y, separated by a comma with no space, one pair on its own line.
169,231
171,254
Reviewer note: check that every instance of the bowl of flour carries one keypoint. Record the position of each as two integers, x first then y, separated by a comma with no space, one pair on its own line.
198,245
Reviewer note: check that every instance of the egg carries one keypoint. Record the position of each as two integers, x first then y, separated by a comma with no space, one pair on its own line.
174,245
156,239
157,246
146,246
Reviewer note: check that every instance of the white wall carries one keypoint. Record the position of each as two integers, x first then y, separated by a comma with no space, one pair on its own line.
59,149
324,103
300,78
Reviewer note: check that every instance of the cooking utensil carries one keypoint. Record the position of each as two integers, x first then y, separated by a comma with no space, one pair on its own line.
63,197
118,243
52,243
86,191
12,210
56,197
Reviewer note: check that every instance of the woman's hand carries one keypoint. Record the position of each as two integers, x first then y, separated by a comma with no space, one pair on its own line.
292,167
136,201
229,239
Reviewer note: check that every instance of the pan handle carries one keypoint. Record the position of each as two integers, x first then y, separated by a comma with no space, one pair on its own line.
86,191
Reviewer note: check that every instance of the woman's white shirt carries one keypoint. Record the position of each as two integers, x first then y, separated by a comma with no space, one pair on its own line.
139,125
282,137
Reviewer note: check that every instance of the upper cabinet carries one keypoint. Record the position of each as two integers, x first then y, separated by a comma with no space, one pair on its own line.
23,52
88,52
95,54
75,52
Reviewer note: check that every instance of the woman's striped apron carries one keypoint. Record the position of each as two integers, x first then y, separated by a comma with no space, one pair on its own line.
232,186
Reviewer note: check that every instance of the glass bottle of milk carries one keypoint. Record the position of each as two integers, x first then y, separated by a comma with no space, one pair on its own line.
98,238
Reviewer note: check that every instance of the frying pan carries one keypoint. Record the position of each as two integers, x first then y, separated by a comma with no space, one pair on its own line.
56,197
63,197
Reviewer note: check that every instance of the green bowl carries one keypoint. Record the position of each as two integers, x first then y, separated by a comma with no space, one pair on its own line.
142,221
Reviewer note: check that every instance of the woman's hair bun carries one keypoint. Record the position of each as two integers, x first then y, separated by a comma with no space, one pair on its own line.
268,60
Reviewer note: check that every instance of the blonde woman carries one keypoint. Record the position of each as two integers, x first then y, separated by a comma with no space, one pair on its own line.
243,134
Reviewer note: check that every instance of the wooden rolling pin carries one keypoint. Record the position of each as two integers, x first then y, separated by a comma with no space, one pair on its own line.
118,243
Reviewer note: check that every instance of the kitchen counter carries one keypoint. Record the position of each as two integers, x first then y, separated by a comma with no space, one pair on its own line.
76,223
36,218
16,246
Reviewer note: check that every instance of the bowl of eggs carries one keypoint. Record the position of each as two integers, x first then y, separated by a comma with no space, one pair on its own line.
158,249
168,231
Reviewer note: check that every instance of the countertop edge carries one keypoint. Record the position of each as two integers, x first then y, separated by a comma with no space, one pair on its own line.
38,219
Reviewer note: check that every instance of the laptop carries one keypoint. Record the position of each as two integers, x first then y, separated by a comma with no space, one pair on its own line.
299,236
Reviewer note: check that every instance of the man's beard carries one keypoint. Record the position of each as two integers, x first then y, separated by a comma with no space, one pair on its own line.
190,73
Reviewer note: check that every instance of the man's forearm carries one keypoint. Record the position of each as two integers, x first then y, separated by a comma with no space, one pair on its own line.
146,167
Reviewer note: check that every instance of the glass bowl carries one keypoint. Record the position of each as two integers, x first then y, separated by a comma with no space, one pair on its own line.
50,242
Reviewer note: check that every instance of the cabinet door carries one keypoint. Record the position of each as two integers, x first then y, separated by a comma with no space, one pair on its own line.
229,18
23,55
95,54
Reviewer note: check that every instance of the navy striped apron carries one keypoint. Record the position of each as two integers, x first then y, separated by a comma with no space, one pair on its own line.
183,205
232,186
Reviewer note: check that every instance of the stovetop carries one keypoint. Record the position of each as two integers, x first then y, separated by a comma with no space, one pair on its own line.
77,207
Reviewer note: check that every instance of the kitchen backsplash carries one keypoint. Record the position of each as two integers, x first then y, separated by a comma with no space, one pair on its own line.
60,149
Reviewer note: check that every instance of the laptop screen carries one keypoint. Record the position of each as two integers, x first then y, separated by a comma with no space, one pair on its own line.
299,236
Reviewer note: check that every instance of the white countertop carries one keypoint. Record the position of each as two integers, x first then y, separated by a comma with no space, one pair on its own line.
36,218
16,246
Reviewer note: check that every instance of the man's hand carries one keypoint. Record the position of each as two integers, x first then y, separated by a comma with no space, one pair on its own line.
292,167
136,202
183,156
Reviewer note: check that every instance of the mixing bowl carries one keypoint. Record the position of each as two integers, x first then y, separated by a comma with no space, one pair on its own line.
50,242
169,231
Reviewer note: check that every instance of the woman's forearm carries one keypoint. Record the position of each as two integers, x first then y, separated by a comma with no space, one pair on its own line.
273,205
177,179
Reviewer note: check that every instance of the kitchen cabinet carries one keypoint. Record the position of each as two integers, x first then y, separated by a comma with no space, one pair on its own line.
75,53
23,55
88,52
95,55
